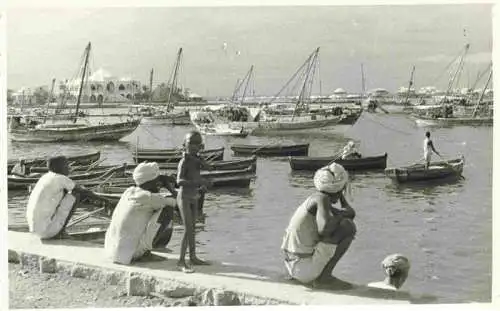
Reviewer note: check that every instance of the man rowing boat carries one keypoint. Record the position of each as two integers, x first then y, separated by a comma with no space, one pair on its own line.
54,200
318,234
142,217
428,149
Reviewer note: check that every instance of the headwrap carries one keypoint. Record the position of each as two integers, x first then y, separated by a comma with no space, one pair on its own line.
331,179
145,172
394,263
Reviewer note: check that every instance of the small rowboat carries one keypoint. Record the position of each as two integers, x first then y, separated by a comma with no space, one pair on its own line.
233,178
77,159
271,150
314,163
17,182
233,164
437,170
174,156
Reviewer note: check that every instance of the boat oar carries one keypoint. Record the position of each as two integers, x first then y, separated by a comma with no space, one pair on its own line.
336,157
85,216
95,164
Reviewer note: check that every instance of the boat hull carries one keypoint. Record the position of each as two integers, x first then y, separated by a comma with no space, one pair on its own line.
437,170
87,133
271,150
174,155
83,159
315,163
454,121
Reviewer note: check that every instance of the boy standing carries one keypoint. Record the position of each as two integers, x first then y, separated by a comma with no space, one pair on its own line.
190,183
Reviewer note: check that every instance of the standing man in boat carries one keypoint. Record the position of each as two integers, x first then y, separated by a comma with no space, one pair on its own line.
54,200
428,149
319,234
142,219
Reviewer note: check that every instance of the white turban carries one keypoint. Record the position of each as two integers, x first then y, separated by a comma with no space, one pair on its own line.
394,263
145,172
331,179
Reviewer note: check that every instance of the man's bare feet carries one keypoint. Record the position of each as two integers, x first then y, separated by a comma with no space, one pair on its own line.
198,262
332,283
182,266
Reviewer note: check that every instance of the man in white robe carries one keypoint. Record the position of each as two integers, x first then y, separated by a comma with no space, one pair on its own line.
141,216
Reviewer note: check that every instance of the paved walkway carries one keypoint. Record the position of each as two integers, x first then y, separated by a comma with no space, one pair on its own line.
264,286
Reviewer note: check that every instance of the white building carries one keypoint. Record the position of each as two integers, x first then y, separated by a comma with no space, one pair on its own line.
104,87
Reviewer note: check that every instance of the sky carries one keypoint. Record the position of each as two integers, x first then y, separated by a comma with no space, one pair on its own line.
221,43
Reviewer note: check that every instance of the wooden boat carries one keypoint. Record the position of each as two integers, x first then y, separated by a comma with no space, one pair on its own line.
271,150
224,129
234,164
453,121
70,131
233,178
175,155
437,170
314,163
17,182
77,159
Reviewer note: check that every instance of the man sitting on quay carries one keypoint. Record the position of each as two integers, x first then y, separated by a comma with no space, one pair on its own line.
54,200
143,218
319,234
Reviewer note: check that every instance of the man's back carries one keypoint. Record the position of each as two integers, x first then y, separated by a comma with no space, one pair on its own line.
44,199
129,221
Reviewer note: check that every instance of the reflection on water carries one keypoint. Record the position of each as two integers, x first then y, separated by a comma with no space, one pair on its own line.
443,227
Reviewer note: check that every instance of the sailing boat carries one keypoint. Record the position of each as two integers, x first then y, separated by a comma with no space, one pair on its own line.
167,115
443,114
301,118
223,120
70,131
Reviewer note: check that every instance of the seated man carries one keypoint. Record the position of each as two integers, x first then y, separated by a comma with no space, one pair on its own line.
396,268
142,219
350,151
318,234
54,200
19,169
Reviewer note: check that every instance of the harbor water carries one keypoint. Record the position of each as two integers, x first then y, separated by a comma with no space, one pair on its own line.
445,229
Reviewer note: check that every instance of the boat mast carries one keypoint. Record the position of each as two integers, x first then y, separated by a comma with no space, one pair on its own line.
48,99
459,69
87,53
474,113
151,86
410,84
173,85
307,81
363,90
249,76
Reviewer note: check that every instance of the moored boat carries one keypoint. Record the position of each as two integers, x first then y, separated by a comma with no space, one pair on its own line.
437,170
17,182
271,149
174,155
76,159
314,163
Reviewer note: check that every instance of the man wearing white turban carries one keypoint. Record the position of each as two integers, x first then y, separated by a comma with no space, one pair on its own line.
142,217
319,234
396,268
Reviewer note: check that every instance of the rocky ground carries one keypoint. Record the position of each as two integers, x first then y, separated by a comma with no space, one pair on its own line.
30,289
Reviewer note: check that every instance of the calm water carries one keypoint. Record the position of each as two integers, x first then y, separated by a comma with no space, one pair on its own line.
445,229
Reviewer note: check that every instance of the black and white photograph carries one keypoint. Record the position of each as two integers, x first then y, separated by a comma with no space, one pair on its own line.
174,155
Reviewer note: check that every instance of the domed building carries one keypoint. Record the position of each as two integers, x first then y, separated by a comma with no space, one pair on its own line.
104,87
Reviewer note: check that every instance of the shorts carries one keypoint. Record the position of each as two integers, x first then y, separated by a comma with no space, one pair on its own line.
427,157
308,269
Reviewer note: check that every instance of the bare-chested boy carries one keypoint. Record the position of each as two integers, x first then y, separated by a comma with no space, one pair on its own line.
190,183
